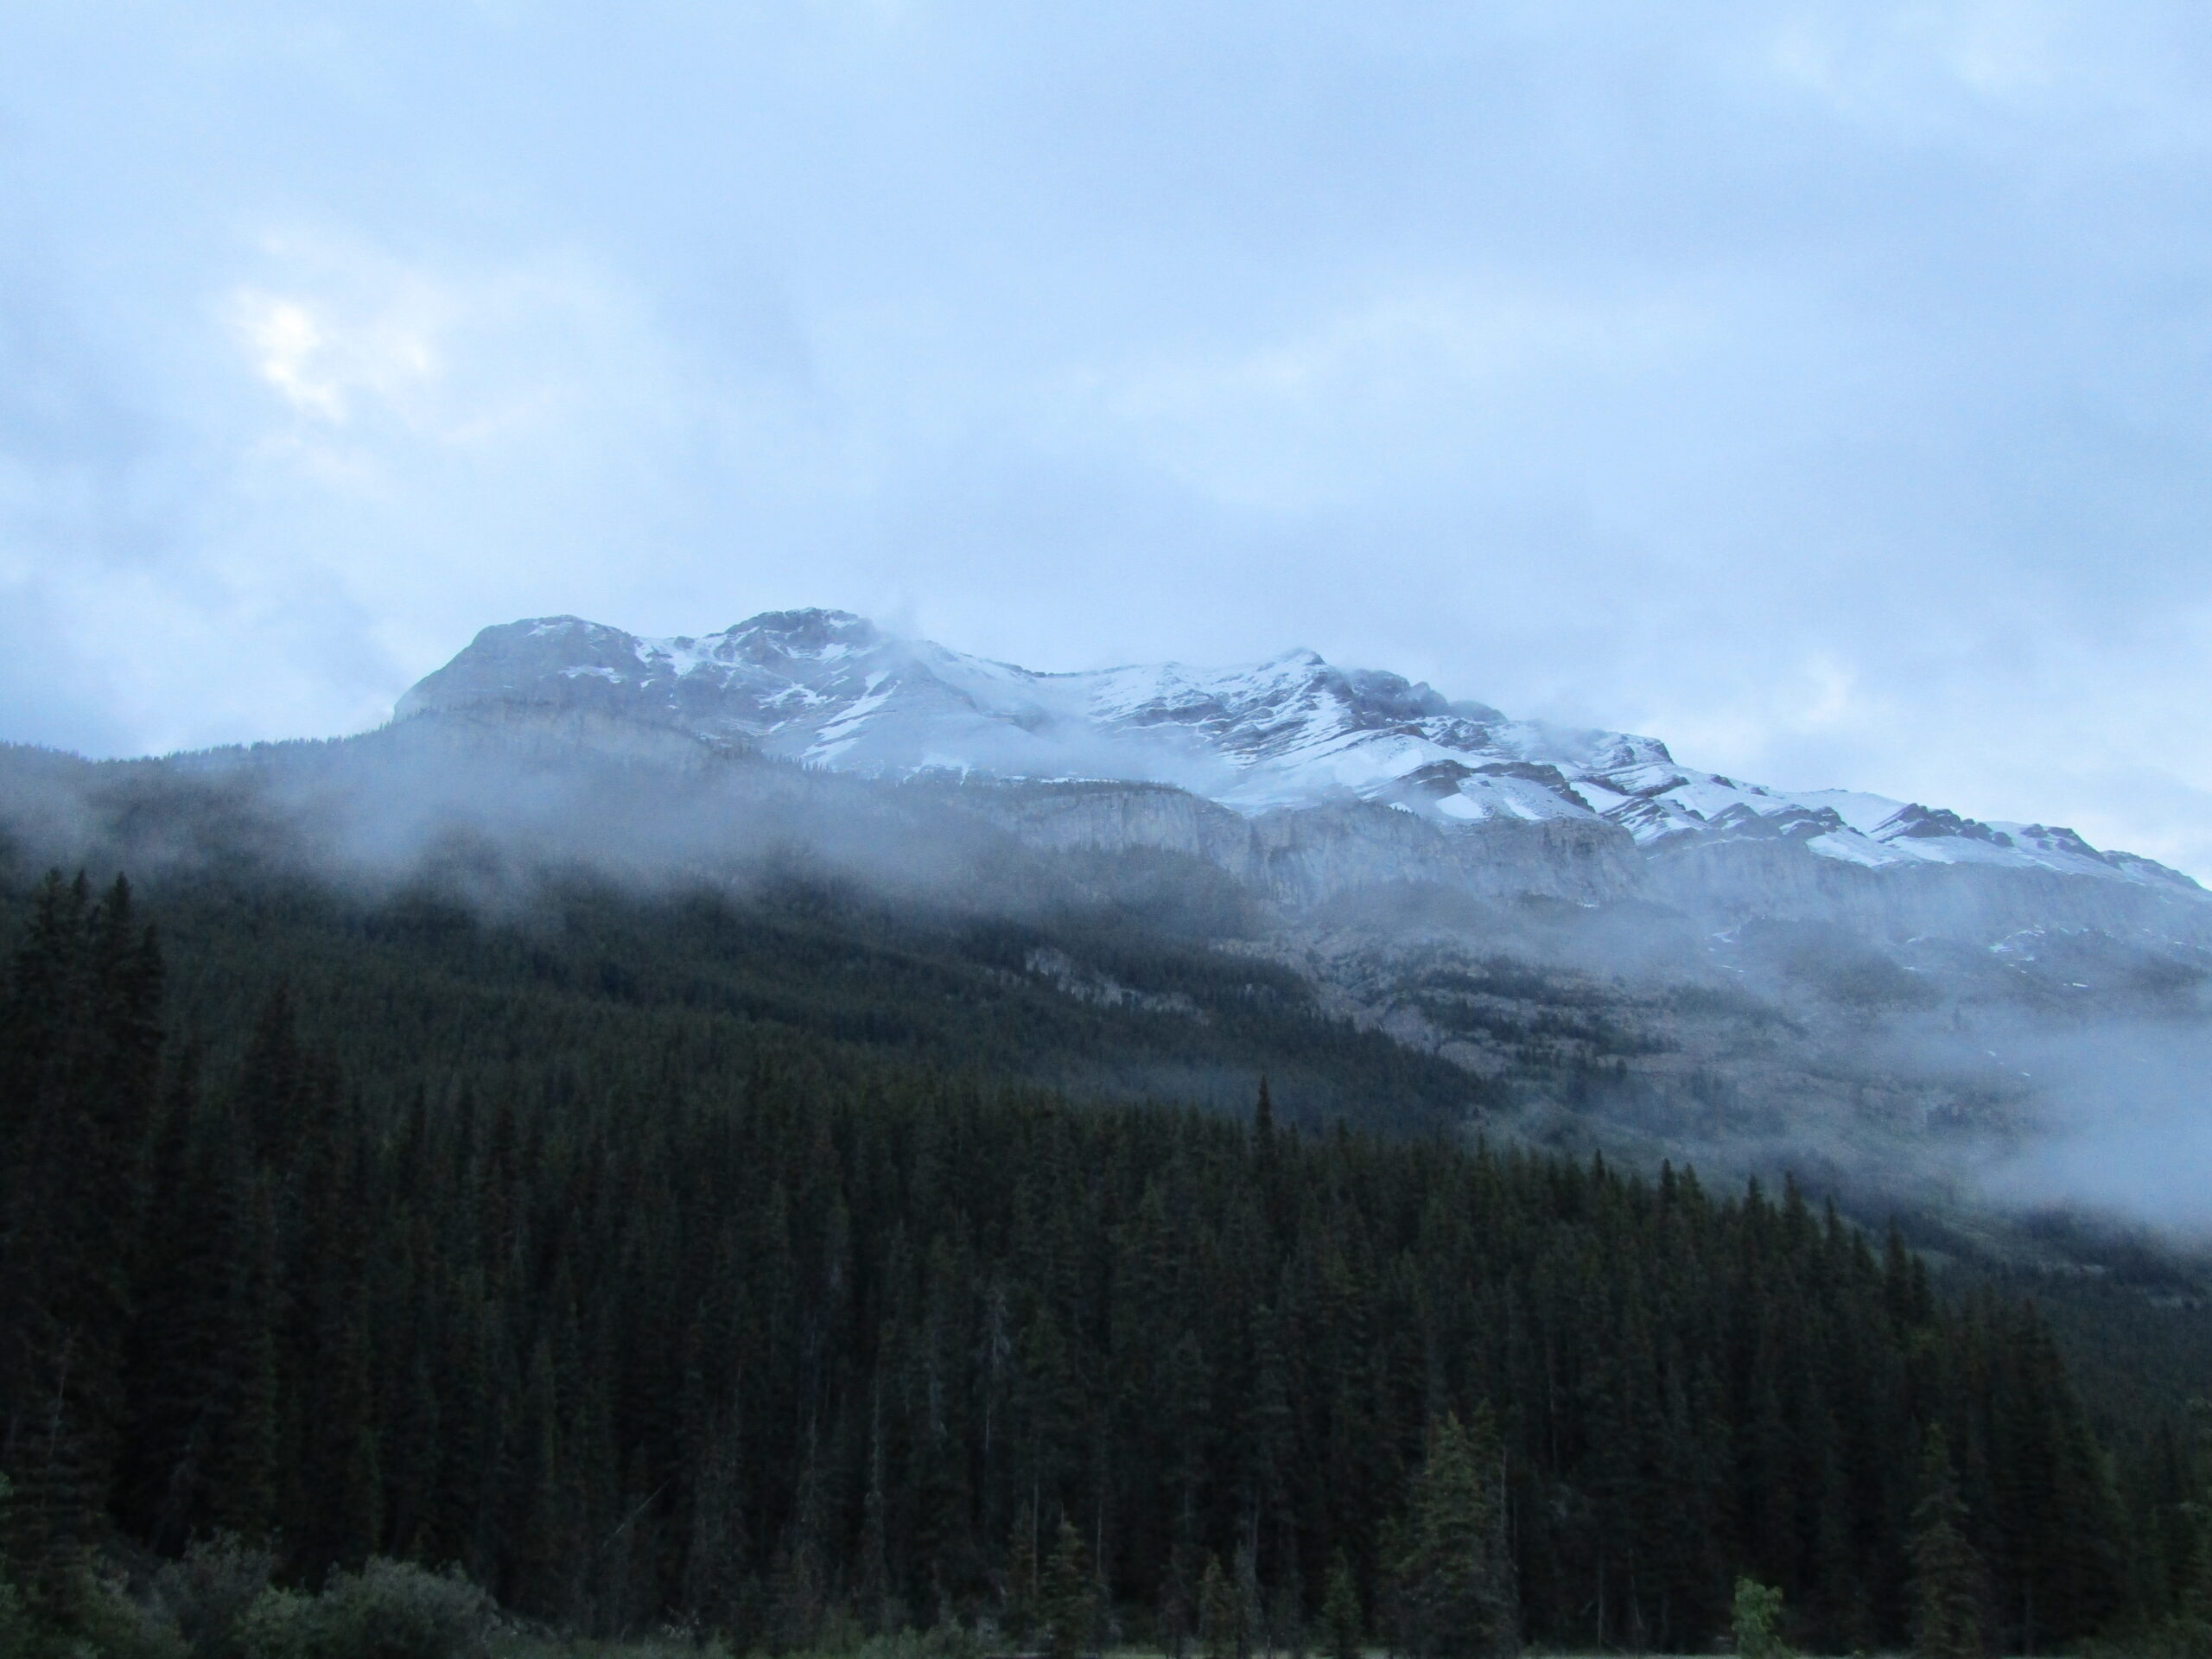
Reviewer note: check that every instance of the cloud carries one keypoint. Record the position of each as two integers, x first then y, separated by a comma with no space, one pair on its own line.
1405,386
2124,1131
1822,387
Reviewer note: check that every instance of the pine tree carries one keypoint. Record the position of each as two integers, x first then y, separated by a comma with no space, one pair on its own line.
879,1610
1340,1615
1020,1607
1065,1604
716,1551
1947,1583
1173,1627
80,1058
244,1406
1220,1624
16,1634
1455,1590
271,1081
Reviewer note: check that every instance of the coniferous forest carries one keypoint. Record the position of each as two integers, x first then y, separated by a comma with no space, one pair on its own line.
651,1307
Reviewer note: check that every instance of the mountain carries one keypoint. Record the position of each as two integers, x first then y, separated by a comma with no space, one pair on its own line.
828,688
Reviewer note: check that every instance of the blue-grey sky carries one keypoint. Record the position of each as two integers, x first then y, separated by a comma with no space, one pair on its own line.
1822,387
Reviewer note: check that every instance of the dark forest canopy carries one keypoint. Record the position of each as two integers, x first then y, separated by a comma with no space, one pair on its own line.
644,1307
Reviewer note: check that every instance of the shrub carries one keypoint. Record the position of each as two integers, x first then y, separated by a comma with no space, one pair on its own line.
2180,1637
208,1593
390,1610
1758,1622
109,1622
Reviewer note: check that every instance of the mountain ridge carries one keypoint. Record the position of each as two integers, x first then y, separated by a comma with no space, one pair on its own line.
830,689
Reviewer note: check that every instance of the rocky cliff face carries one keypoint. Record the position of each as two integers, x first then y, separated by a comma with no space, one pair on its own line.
1301,857
1727,883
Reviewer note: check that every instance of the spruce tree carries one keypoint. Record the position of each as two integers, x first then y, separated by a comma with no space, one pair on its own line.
16,1633
1065,1604
1340,1615
1948,1583
1019,1604
1455,1588
1220,1624
80,1058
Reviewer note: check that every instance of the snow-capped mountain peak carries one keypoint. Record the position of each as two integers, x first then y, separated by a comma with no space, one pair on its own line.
828,688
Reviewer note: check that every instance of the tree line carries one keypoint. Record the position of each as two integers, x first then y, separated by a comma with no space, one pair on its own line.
770,1338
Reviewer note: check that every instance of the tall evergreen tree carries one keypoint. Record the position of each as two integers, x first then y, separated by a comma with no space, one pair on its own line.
1340,1614
1221,1613
1947,1583
1066,1606
1456,1595
1020,1604
80,1058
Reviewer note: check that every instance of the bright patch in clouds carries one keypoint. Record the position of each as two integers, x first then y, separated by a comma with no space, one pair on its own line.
321,367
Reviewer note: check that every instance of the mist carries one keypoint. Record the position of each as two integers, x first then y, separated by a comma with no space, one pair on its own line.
1920,1074
2124,1128
482,812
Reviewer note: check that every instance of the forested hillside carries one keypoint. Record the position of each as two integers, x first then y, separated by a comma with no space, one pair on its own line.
744,1296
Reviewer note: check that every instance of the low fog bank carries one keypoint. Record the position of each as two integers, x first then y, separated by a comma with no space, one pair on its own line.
2053,1070
2125,1128
706,882
486,812
2048,1072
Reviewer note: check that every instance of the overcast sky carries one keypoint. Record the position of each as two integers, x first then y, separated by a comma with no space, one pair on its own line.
1821,388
